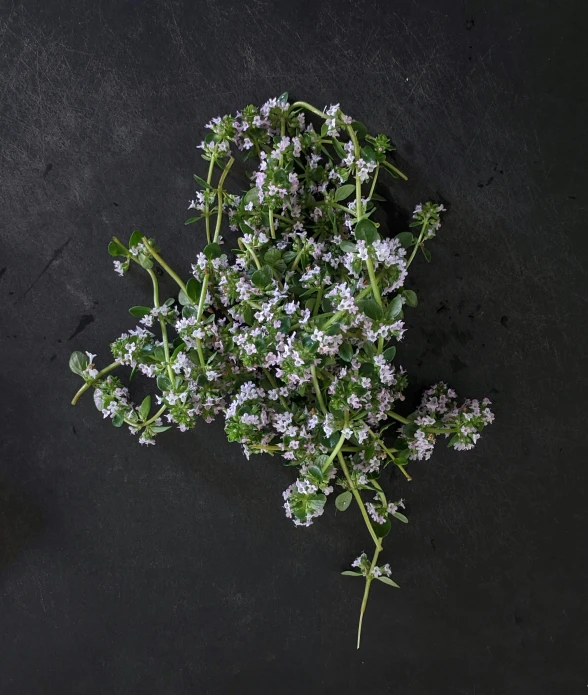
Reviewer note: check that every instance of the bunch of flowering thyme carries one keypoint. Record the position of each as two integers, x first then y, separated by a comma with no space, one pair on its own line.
291,336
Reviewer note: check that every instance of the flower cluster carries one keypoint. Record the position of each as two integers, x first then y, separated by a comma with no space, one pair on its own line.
292,336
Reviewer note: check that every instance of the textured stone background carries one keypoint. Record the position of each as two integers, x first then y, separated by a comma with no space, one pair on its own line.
174,570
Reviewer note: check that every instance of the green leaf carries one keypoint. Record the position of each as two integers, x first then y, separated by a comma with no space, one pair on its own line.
191,220
344,192
144,261
348,246
260,279
390,354
394,307
136,238
387,580
338,147
426,254
118,420
410,429
382,530
324,129
371,308
379,198
346,352
406,239
360,130
315,472
179,347
251,197
163,383
283,98
366,230
193,290
349,573
183,298
343,501
400,517
411,298
212,251
202,182
248,315
366,369
272,256
289,256
368,154
453,440
145,407
78,362
189,311
316,502
139,311
116,249
161,428
322,461
369,350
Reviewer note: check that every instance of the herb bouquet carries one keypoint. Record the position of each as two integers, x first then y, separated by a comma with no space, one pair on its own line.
291,335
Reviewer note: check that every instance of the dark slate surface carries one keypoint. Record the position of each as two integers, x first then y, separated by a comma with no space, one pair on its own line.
174,570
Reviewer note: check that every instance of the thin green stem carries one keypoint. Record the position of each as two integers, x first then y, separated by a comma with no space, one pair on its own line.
374,181
164,265
219,192
332,205
335,451
366,593
439,430
203,292
317,389
353,136
199,312
253,255
92,382
394,415
206,206
159,413
308,107
419,240
287,220
373,281
271,224
359,501
296,261
395,170
391,455
162,324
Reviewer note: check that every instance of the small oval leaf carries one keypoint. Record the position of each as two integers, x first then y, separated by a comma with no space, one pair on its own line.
344,192
343,501
139,311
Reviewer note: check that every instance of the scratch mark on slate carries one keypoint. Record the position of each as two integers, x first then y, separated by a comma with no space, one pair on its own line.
85,321
56,255
2,271
47,169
